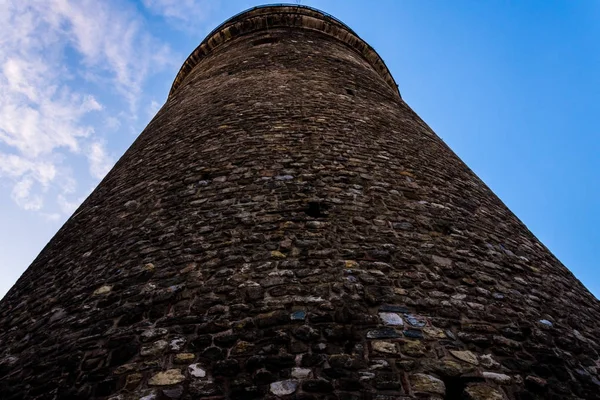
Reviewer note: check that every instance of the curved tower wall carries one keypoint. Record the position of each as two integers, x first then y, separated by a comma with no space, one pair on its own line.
287,227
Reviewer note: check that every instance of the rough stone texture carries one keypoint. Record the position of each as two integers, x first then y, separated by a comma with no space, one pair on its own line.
169,377
288,226
483,392
427,384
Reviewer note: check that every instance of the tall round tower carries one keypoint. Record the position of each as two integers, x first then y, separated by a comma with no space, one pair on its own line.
287,227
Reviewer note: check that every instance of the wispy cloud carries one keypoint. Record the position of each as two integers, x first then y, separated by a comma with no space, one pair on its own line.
112,39
57,59
22,195
100,161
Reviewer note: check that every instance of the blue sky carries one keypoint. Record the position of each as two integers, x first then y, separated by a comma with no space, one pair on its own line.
512,87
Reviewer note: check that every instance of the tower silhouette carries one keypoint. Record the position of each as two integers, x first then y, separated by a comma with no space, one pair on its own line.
287,227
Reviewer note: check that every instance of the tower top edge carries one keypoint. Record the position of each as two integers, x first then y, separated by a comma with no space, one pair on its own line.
270,16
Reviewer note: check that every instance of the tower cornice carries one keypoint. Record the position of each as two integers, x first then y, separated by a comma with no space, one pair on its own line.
277,16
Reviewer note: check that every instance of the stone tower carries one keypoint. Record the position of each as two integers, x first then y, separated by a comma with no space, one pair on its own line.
287,227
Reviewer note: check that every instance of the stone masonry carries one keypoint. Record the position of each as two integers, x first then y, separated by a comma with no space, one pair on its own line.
287,227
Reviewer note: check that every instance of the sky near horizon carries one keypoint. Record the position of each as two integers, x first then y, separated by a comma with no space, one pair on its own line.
512,87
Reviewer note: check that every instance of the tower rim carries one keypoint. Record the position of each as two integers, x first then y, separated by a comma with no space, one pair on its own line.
292,15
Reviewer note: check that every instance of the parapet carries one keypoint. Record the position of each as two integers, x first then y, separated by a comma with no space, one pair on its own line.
277,16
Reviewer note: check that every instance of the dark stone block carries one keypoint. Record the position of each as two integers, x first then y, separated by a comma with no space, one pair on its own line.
264,377
123,354
335,372
255,362
312,360
272,319
320,317
387,381
383,333
413,333
306,333
201,342
298,347
317,385
226,368
174,392
350,384
203,388
225,340
276,363
393,308
213,353
105,387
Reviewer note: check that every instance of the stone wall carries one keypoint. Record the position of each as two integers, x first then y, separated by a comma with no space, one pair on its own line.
287,227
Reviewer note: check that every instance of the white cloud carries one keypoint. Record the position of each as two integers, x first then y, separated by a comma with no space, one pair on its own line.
112,39
14,166
68,206
182,13
100,162
22,195
56,56
113,123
